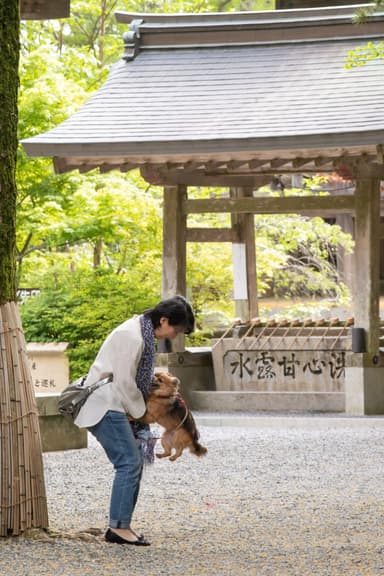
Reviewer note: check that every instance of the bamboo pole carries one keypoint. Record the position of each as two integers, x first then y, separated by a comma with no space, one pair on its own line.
16,497
267,332
20,512
32,433
236,322
23,501
6,438
252,324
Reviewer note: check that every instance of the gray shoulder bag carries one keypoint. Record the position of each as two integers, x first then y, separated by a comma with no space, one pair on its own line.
73,397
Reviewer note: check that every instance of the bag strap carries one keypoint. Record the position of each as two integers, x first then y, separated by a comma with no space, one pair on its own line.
100,383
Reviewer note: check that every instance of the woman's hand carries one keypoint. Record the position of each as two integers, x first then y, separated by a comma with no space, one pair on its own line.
147,418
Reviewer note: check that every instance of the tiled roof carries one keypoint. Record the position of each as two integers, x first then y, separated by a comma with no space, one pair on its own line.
225,91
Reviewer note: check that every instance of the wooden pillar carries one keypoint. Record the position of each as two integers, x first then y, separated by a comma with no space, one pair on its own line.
364,392
367,261
345,261
243,224
174,248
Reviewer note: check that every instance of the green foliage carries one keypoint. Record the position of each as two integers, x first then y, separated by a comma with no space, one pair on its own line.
362,13
297,256
82,308
47,96
107,216
194,6
370,50
365,53
209,265
209,276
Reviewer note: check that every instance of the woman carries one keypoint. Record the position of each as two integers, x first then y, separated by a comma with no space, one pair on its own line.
128,354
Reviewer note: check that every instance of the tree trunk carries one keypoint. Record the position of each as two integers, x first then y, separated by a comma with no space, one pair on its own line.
97,253
22,492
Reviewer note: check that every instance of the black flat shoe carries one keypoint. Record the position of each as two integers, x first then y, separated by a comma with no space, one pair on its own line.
114,538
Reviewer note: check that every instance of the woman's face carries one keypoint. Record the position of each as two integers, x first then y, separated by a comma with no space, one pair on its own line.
165,330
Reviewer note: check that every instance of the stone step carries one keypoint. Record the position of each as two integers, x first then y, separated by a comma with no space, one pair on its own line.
249,401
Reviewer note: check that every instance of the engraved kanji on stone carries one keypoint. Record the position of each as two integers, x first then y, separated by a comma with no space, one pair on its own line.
337,365
289,365
242,365
315,366
264,366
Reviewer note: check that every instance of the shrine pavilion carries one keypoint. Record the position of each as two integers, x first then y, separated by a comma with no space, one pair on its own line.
237,100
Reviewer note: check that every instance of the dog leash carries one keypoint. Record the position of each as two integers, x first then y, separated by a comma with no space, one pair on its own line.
177,427
183,403
183,420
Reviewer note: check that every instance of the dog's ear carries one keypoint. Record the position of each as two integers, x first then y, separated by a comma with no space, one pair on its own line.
175,381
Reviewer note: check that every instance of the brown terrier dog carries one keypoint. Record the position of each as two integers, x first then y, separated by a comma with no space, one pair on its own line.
166,407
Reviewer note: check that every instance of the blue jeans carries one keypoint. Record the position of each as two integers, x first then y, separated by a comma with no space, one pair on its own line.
116,437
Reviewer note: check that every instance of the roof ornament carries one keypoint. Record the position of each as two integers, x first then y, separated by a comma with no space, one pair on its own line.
131,40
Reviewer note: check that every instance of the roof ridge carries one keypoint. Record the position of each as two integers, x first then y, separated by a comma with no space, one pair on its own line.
234,17
172,31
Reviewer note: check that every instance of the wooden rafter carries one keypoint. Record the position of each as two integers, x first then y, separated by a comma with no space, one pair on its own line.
239,170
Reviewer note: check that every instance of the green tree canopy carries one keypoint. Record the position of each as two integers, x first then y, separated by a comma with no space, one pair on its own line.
83,236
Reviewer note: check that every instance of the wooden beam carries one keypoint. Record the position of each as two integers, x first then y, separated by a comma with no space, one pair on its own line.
273,205
234,165
277,163
169,166
84,168
257,163
215,165
126,167
380,154
322,161
359,168
201,178
300,162
193,165
211,235
59,165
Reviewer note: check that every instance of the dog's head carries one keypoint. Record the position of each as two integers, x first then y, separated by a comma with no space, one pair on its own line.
165,384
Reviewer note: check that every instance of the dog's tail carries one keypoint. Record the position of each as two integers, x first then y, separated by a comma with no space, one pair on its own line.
198,449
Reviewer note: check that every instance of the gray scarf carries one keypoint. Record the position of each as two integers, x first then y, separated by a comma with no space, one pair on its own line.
144,378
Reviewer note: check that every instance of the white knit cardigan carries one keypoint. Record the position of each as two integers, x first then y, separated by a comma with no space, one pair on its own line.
119,355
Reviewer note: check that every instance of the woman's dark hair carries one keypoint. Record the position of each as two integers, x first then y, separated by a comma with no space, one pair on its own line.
177,310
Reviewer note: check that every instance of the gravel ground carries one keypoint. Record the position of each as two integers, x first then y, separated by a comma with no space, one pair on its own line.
298,497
